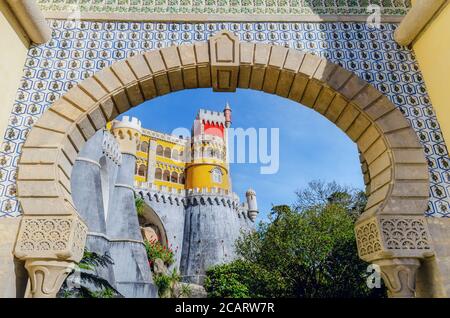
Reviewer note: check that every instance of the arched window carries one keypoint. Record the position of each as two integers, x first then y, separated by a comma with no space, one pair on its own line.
159,150
216,175
144,146
167,152
142,171
181,155
209,152
166,175
175,154
158,173
181,178
174,177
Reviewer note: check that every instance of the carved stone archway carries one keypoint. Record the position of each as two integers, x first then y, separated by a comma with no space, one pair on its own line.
392,231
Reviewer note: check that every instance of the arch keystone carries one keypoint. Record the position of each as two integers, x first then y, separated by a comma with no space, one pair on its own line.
224,59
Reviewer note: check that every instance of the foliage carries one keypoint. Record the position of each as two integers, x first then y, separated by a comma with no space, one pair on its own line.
157,250
307,250
185,290
167,285
318,194
140,204
87,277
163,283
243,279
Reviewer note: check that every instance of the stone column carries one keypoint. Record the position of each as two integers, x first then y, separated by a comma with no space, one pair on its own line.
399,276
397,244
50,247
151,161
47,276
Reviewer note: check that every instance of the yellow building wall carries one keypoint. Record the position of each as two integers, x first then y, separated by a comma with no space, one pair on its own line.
12,59
199,176
432,49
161,159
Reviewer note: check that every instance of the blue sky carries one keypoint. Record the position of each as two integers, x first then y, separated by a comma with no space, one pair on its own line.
311,147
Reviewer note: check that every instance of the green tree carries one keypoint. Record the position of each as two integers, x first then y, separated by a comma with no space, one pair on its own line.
89,284
243,279
307,250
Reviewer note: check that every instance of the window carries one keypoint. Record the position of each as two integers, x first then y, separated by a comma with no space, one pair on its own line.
144,146
174,177
142,171
158,174
167,152
159,150
216,174
181,178
166,175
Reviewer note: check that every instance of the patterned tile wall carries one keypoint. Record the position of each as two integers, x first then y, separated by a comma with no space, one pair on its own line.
304,7
77,51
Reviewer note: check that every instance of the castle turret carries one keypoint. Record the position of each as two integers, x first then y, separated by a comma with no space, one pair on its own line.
227,114
128,132
252,204
208,168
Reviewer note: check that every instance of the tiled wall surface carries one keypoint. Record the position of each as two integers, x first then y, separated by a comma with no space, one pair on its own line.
77,51
292,7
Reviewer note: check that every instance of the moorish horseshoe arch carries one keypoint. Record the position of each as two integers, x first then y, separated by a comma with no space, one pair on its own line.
392,231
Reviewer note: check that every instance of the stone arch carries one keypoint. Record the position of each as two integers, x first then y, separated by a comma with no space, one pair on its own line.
151,219
392,231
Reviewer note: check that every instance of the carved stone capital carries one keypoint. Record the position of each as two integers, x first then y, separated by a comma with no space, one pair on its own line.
47,276
386,236
399,276
51,237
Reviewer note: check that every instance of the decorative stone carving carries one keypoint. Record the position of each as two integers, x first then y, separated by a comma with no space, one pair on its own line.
46,277
405,233
368,238
399,276
384,236
224,54
51,237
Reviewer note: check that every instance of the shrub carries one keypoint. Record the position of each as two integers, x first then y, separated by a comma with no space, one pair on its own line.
156,250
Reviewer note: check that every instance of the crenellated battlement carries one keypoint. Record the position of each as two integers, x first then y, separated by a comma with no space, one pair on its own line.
211,116
127,122
193,197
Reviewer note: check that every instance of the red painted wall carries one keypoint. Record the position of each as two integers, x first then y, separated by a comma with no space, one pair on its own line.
213,129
